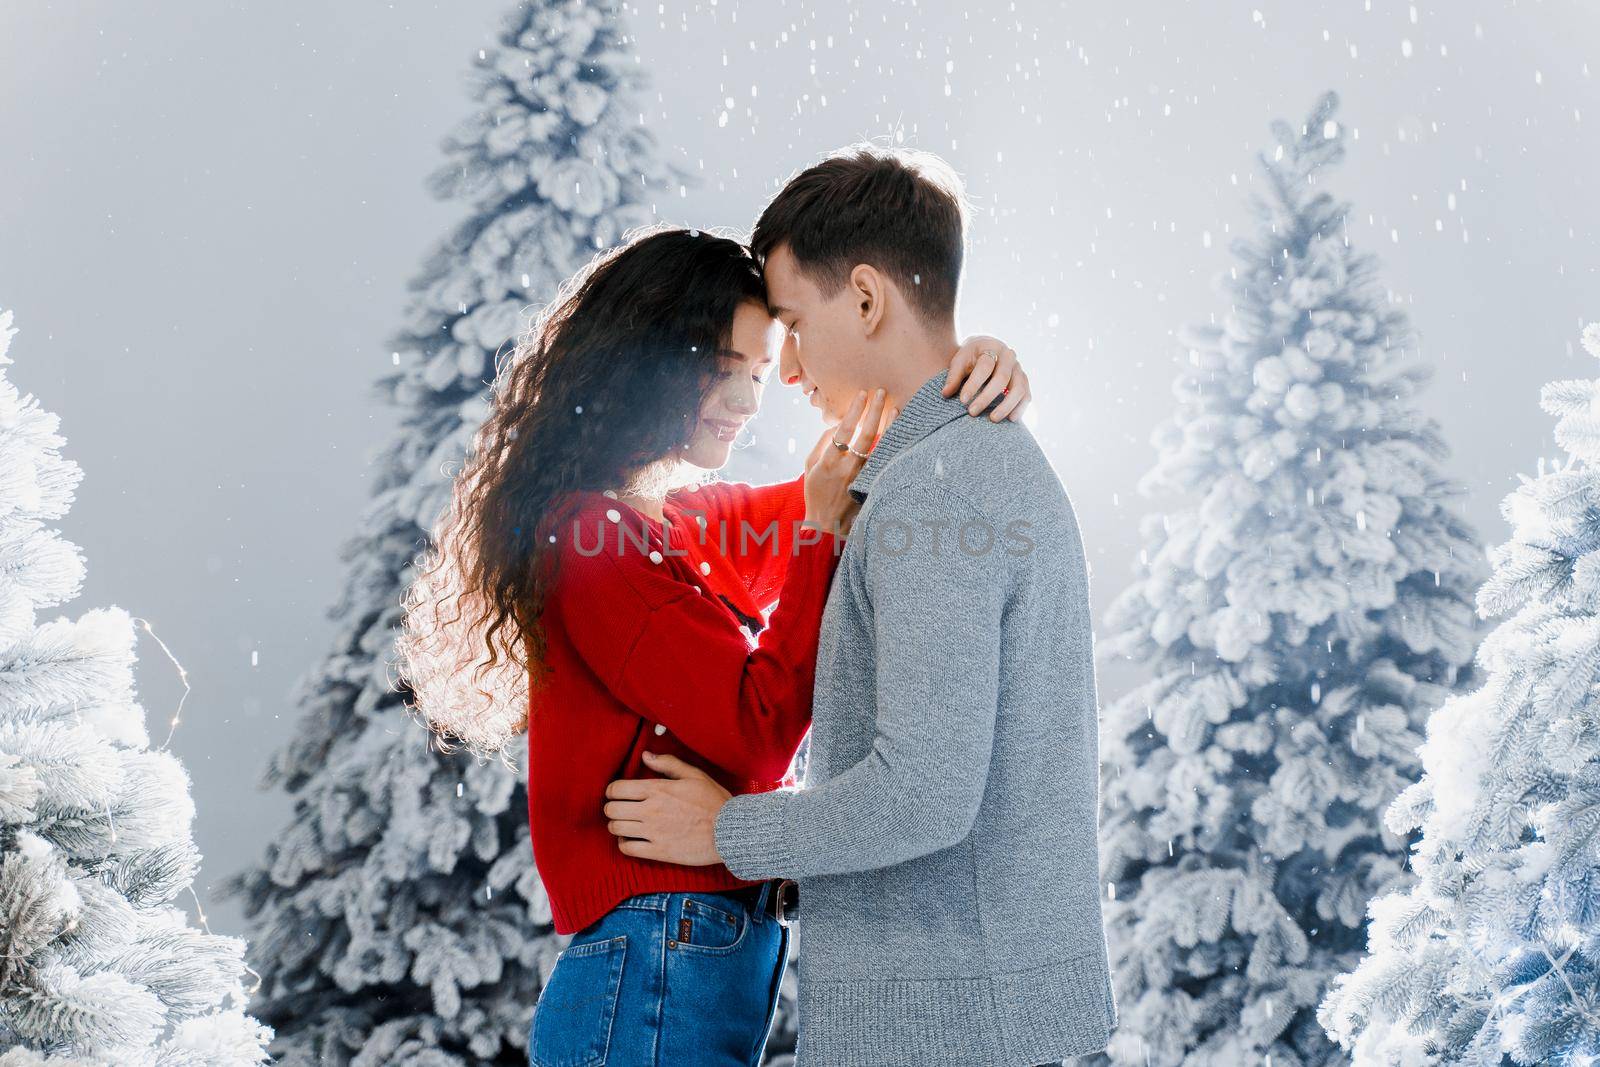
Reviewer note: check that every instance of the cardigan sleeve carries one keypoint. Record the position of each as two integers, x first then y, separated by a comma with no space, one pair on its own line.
752,525
936,620
677,657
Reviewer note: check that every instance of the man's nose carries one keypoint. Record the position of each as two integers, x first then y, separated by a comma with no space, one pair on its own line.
789,363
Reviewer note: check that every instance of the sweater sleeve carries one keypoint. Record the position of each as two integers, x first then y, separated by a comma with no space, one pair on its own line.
936,635
753,526
674,655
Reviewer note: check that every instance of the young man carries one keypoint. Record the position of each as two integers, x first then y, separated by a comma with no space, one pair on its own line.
945,839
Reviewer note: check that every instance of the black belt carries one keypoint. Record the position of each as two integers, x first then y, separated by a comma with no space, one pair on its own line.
783,898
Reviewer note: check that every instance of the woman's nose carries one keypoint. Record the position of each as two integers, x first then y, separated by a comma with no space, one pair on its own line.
743,405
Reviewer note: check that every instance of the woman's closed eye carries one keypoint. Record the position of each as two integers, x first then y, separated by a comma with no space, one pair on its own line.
760,379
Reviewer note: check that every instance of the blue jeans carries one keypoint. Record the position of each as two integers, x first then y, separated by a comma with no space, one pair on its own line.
664,980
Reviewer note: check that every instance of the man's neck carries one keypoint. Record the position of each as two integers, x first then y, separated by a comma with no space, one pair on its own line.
917,357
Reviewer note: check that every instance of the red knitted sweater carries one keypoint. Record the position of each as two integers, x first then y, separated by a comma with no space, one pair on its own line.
647,648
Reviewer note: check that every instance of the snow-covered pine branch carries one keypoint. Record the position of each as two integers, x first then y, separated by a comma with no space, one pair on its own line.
98,968
1303,603
1495,950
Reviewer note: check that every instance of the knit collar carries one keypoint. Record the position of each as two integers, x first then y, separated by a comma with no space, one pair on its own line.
926,411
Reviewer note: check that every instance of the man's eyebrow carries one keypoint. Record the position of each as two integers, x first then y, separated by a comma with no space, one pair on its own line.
778,311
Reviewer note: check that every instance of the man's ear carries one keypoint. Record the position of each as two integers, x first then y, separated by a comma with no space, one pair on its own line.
869,290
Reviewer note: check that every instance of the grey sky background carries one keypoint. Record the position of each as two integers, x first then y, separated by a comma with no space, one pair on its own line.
208,213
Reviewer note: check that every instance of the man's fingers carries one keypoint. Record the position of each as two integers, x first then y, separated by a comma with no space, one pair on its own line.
626,828
645,850
623,809
628,789
672,766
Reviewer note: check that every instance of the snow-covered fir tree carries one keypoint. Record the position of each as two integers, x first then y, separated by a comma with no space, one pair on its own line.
400,917
1493,955
1301,617
98,968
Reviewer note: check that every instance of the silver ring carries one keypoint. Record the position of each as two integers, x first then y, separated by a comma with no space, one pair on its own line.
986,352
853,452
843,446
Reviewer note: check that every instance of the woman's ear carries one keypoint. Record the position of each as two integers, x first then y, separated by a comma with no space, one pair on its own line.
867,288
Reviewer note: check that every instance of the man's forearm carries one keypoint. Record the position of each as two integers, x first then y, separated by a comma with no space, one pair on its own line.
859,821
936,640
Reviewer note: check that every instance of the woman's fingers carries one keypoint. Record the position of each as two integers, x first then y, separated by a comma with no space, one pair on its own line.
967,359
1016,398
832,436
890,413
852,415
817,449
999,380
866,430
845,432
983,372
960,364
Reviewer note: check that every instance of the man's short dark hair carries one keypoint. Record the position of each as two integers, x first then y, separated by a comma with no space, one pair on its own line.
899,210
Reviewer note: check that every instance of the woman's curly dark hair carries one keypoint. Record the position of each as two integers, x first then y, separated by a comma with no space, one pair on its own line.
603,392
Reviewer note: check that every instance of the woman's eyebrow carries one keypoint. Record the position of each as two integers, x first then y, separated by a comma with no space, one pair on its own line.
734,353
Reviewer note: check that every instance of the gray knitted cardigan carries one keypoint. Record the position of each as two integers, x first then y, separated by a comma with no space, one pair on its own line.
944,840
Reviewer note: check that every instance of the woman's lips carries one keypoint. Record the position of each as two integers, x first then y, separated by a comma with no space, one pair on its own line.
724,431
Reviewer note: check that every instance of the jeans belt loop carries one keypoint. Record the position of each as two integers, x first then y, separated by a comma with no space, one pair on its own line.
781,910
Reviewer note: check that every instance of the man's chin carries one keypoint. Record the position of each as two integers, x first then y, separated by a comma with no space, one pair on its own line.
829,415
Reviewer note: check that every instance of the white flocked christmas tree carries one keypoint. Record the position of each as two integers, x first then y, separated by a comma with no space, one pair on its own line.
98,967
401,919
1493,955
1299,619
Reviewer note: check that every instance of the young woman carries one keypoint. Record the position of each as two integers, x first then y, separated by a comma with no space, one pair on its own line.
617,596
